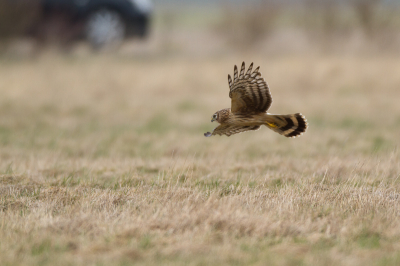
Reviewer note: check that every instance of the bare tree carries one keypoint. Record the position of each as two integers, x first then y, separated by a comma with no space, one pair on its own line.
248,25
366,11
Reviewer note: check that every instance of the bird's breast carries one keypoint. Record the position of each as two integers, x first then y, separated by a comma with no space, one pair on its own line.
246,118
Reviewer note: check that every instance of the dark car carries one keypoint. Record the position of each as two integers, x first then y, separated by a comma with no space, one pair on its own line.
102,22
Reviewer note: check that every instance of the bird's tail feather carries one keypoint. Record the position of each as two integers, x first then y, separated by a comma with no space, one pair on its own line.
287,125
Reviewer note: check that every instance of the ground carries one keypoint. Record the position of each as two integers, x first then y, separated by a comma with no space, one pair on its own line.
103,162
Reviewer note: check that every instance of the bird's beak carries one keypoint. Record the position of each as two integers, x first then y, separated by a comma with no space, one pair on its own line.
212,120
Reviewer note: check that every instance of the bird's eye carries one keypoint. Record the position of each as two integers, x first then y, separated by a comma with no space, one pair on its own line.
215,116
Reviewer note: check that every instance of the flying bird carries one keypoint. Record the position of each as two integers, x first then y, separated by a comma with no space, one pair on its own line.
250,100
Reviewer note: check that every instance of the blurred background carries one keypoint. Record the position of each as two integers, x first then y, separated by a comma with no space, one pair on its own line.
199,27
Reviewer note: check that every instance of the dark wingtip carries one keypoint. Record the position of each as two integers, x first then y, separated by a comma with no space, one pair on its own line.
208,134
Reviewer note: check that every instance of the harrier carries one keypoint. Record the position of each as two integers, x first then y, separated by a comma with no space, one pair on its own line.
250,101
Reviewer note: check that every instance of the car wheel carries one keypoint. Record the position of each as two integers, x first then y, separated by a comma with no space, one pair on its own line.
105,28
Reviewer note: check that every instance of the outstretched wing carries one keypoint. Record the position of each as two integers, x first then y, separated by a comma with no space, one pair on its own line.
249,92
228,130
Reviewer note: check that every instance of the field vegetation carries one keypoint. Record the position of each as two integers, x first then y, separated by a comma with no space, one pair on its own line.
103,161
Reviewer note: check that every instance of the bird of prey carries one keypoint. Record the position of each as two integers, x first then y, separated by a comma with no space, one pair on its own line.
250,100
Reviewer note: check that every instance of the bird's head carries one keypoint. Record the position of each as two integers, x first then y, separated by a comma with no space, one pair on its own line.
214,117
220,116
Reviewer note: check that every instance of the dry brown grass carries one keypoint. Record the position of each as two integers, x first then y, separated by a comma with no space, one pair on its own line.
103,162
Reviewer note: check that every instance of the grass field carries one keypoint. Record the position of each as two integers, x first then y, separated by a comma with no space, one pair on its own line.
103,162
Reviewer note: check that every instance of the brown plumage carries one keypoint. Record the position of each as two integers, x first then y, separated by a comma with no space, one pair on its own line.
250,101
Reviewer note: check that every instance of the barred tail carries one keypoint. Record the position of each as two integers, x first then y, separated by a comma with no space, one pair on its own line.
287,125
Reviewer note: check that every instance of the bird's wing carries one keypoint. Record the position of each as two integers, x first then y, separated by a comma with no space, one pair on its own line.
228,130
249,92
